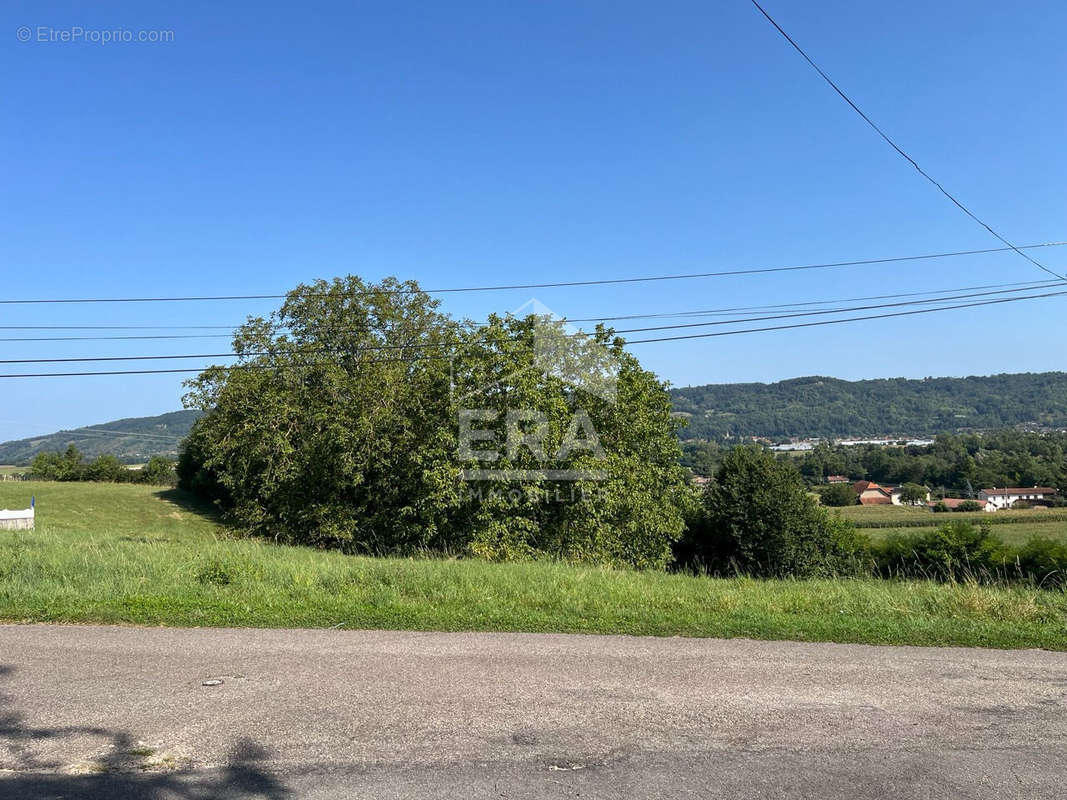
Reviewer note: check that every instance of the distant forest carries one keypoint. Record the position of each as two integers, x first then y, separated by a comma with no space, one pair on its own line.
829,407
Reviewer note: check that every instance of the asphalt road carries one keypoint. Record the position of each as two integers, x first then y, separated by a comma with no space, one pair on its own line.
108,712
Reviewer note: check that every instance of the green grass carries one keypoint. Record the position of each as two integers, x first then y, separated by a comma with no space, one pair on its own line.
1015,534
130,554
911,517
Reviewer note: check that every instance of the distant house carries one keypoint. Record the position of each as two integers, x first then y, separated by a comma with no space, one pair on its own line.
836,479
869,493
1006,498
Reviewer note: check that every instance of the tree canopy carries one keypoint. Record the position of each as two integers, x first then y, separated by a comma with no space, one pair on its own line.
343,425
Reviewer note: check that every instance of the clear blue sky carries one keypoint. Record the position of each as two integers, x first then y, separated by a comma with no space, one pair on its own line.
486,142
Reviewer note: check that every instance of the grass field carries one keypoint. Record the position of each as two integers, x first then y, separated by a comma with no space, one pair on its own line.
1015,534
909,516
133,554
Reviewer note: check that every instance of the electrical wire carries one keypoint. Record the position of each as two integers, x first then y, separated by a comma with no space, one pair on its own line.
900,150
421,345
558,284
1024,286
410,360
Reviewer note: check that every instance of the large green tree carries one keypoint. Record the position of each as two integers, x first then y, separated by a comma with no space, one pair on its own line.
344,424
760,520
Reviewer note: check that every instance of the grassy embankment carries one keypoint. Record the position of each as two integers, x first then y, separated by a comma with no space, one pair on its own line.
1012,527
131,554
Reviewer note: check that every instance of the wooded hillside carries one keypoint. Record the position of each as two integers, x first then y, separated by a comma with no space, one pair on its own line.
132,440
819,406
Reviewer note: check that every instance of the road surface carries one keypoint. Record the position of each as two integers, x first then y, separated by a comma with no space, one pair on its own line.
111,712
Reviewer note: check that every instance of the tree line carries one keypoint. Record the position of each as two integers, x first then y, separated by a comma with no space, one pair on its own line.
71,465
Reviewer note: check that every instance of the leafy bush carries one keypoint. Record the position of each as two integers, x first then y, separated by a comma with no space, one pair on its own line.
159,471
759,519
953,551
969,505
215,573
1044,561
105,469
837,495
913,494
941,507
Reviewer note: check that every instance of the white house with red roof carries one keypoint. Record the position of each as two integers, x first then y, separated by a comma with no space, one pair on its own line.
1006,498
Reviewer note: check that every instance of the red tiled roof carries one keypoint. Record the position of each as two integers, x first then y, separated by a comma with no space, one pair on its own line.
1031,490
870,486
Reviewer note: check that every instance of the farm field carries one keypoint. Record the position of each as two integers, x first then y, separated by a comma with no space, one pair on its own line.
1014,534
909,516
120,553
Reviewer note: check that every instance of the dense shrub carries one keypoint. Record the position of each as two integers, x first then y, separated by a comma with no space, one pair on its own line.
1043,561
913,494
969,505
941,507
758,519
193,473
953,551
837,495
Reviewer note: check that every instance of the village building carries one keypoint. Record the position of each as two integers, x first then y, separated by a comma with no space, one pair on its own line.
869,493
1006,498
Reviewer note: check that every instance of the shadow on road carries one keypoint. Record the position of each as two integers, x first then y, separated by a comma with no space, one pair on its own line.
123,769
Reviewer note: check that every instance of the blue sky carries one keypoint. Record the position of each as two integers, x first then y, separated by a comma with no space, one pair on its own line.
476,143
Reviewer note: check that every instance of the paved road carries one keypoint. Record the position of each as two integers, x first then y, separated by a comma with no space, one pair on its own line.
107,712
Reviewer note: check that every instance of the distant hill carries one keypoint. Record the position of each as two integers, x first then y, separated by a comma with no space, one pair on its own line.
133,440
825,407
800,407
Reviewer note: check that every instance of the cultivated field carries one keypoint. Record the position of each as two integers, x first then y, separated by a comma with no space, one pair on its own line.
1012,527
136,554
908,516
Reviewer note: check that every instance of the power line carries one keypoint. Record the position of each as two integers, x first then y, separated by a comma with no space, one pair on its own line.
559,284
1024,286
900,150
421,345
187,370
839,321
830,311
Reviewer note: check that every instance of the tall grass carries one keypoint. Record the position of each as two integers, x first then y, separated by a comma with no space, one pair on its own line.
130,554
